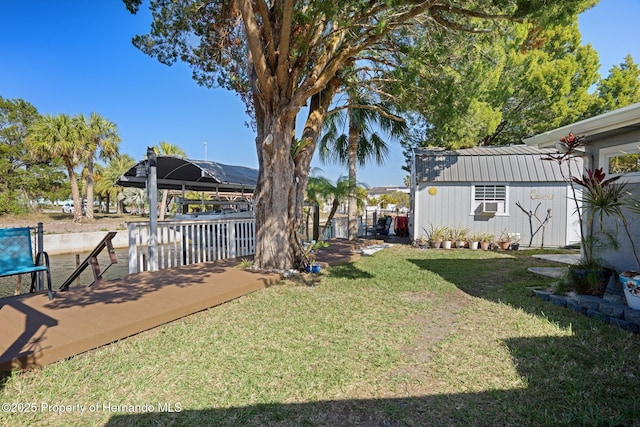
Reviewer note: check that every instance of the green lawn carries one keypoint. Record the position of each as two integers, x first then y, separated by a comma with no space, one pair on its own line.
404,337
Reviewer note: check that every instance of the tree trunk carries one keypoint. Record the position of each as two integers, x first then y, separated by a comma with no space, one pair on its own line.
352,214
275,223
163,204
89,211
282,180
75,192
119,206
334,208
318,106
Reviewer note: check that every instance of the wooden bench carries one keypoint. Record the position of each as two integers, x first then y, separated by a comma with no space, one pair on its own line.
16,256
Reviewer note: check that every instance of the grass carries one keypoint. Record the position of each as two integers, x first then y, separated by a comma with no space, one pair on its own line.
404,337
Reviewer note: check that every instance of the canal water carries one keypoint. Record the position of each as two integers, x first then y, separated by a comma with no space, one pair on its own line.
64,264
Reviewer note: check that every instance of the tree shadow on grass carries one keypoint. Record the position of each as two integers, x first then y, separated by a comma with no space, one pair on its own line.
502,280
389,412
580,379
557,392
349,271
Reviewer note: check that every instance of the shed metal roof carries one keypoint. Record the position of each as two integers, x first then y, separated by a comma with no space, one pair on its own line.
515,163
175,173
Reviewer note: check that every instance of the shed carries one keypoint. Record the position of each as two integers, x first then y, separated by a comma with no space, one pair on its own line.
612,142
480,189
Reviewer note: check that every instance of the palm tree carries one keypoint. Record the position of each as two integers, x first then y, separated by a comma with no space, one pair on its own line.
362,143
107,183
98,174
343,191
317,190
167,149
320,188
136,197
100,137
54,137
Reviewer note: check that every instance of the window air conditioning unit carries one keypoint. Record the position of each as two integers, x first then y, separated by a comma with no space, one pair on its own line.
489,207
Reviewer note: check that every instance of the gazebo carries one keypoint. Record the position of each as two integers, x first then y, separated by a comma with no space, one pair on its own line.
173,173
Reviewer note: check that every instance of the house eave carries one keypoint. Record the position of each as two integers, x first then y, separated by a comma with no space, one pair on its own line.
623,117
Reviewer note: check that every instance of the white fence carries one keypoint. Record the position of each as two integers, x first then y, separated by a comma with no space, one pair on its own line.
184,242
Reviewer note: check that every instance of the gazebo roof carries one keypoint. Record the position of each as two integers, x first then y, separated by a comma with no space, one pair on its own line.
175,173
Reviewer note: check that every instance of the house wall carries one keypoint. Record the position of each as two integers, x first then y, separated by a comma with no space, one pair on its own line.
622,258
604,143
451,205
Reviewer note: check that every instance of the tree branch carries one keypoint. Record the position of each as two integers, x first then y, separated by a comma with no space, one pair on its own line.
262,10
437,12
258,59
282,71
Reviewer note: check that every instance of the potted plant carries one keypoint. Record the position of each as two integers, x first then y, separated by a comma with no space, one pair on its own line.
504,240
485,241
420,242
631,279
311,251
515,241
447,242
588,277
436,235
474,241
460,235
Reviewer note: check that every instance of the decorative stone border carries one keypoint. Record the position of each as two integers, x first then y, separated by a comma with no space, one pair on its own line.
611,312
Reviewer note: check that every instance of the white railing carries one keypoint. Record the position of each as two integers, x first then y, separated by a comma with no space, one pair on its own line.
184,242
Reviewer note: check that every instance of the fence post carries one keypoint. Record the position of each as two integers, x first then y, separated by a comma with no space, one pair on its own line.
133,250
152,188
231,239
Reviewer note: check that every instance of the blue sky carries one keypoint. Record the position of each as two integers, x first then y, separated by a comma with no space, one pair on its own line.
76,56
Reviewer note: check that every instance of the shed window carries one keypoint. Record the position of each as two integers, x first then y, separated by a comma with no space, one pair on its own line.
489,200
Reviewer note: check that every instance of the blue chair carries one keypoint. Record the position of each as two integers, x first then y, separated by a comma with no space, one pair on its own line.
16,256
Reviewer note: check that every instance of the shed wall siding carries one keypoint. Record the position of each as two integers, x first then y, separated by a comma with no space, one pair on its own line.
451,206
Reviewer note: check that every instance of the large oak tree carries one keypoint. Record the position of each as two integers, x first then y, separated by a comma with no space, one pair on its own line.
283,55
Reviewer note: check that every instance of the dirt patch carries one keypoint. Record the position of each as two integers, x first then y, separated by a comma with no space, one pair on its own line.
434,325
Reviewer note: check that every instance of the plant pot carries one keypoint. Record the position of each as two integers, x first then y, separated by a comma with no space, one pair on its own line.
315,268
474,245
484,245
589,281
446,244
515,246
436,244
460,244
631,284
504,245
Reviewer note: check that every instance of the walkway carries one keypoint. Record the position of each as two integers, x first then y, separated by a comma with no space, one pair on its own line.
37,332
555,272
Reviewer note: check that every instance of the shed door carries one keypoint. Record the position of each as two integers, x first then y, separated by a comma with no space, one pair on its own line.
573,222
